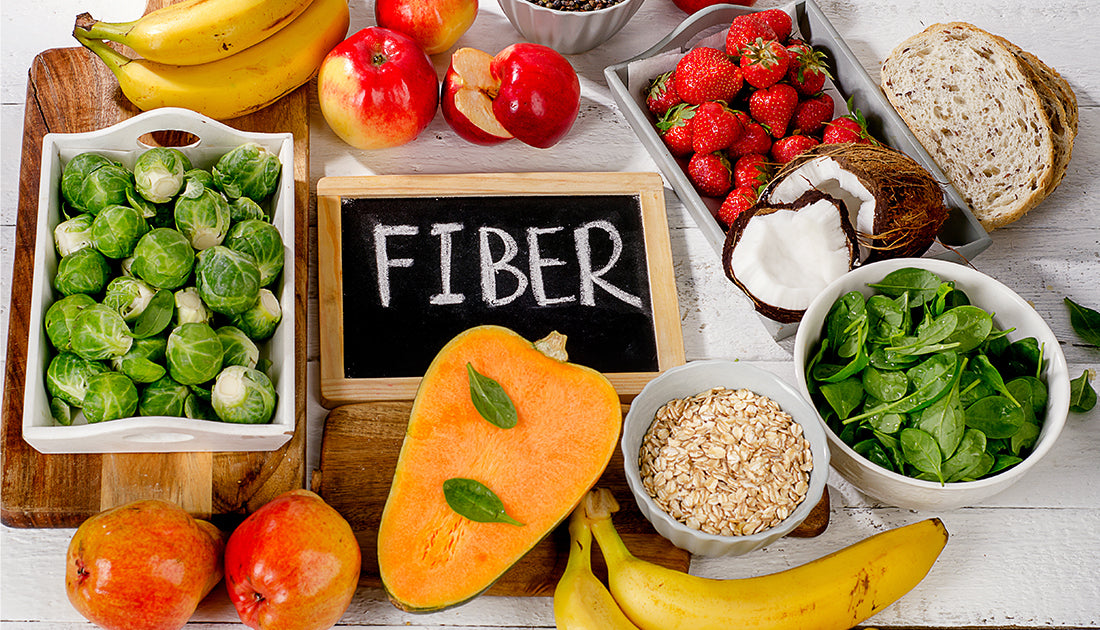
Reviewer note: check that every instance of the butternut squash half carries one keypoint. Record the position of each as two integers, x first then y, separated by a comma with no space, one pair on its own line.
566,426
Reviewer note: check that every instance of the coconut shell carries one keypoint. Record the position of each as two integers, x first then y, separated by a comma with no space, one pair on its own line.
909,203
737,228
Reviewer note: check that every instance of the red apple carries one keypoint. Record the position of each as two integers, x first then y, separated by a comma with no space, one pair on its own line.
146,564
691,6
293,564
528,91
377,89
435,24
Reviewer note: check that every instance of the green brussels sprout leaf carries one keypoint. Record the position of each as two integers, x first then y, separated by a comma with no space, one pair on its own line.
155,317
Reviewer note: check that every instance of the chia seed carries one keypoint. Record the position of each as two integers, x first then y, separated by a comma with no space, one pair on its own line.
575,5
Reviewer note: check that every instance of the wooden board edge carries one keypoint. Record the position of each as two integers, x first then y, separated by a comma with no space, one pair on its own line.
338,390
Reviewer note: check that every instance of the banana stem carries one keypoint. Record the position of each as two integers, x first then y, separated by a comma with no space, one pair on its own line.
114,31
580,544
111,57
598,506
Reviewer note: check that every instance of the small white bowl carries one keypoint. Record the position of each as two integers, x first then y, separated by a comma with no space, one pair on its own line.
568,32
700,376
1009,310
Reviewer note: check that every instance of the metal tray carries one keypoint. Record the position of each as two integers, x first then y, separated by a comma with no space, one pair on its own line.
960,239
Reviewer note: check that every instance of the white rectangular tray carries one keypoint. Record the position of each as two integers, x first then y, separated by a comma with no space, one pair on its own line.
157,434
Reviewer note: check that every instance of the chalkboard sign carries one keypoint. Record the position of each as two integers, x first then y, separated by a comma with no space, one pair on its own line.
408,262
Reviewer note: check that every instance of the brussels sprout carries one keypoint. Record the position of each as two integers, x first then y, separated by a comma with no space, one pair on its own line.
61,411
151,348
74,234
99,332
159,172
138,369
190,307
105,186
194,354
83,271
147,208
67,377
260,321
247,171
110,396
196,408
60,317
262,242
203,219
243,209
243,395
116,229
228,281
76,169
204,177
129,296
163,258
126,267
163,397
239,349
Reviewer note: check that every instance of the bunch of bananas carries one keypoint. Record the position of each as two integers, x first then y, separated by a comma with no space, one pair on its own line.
835,592
221,58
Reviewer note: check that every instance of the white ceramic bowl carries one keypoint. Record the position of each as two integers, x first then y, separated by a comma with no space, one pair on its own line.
568,32
161,434
1009,310
696,377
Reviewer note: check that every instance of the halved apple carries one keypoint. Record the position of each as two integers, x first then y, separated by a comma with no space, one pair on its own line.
467,101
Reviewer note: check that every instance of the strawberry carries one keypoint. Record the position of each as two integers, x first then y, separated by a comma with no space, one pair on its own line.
713,127
751,170
744,30
779,21
807,70
811,114
675,129
773,107
710,173
786,149
850,128
754,139
661,96
740,199
764,63
707,74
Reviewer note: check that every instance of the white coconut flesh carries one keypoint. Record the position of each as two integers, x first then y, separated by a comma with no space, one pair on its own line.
826,174
787,257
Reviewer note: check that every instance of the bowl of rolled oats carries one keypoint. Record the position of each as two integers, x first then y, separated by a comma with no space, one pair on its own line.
722,457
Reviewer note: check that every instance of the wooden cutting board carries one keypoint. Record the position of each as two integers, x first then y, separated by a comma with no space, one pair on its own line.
359,452
70,90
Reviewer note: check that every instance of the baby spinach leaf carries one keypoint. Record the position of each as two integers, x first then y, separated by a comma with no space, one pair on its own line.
991,376
886,422
919,284
892,446
1002,462
490,400
885,319
967,458
1029,391
886,385
475,501
944,421
1085,322
811,382
930,380
873,451
853,368
844,396
1021,358
884,359
843,323
939,303
1025,438
920,450
929,338
981,470
1082,397
973,327
995,416
972,388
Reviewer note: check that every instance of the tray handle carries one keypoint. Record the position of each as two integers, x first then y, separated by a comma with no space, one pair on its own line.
128,133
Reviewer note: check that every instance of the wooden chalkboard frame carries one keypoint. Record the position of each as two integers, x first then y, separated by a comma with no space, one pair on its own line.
338,389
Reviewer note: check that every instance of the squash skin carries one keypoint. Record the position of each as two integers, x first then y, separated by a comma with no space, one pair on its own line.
569,419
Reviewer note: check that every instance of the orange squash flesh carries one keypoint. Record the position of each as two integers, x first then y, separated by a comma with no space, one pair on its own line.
569,418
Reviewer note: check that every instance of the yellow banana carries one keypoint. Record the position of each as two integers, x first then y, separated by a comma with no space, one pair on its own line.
241,83
581,602
837,591
197,31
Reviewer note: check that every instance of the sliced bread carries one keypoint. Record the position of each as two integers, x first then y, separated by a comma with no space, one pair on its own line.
970,102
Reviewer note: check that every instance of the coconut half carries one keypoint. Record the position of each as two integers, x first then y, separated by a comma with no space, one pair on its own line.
783,255
895,205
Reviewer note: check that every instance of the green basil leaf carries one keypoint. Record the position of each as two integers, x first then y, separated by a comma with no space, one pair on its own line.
1085,322
490,400
475,501
1082,397
920,450
156,316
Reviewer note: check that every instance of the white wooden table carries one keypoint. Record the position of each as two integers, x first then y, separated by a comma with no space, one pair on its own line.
1028,557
